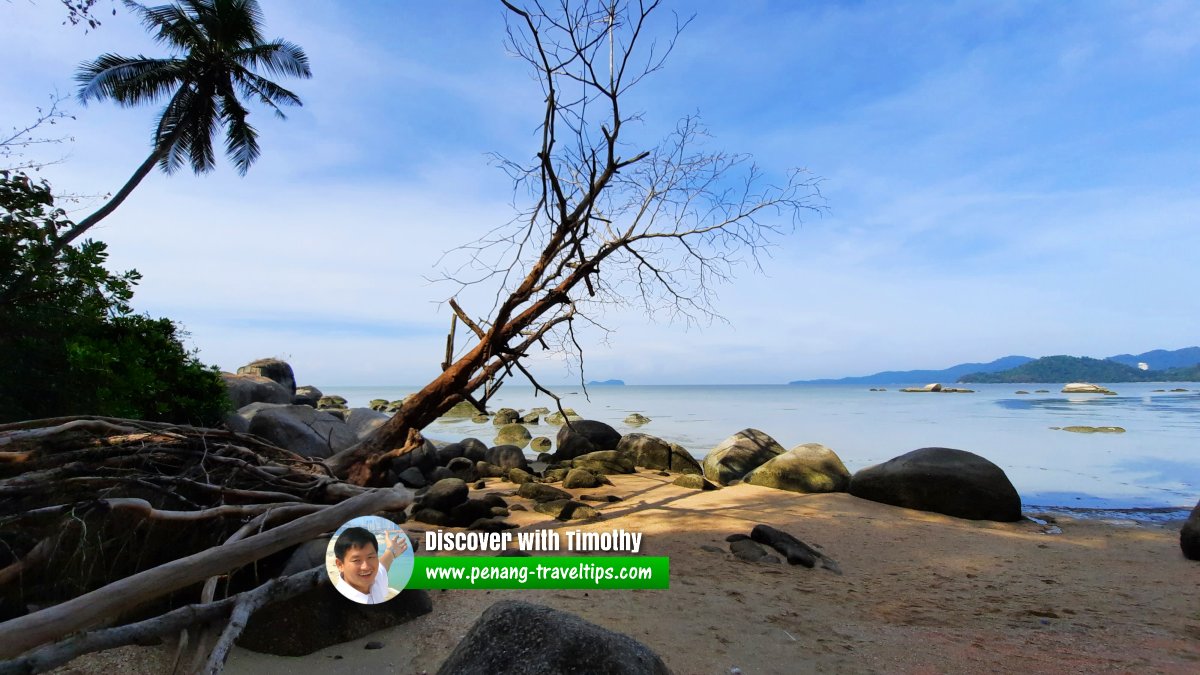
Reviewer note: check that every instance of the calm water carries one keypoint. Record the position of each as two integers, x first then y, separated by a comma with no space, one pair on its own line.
1155,464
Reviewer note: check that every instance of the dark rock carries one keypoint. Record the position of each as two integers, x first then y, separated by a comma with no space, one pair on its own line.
604,462
332,402
580,479
493,500
808,468
450,451
321,617
737,536
531,418
517,507
694,482
711,549
363,421
738,455
540,492
439,474
505,416
374,644
445,494
542,456
500,512
554,475
469,512
412,477
307,395
507,457
599,435
246,389
513,553
479,484
474,449
488,470
943,480
518,638
490,525
519,476
432,517
566,509
1189,536
601,498
653,452
303,430
747,550
306,556
796,551
239,421
272,369
462,468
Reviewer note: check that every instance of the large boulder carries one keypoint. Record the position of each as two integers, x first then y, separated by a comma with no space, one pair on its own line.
557,418
272,369
364,421
811,467
303,430
461,410
239,420
513,434
506,457
505,416
445,494
519,638
1189,536
943,480
601,435
738,455
604,462
246,389
307,395
653,452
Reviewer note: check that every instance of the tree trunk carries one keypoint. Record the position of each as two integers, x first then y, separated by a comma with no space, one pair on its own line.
9,294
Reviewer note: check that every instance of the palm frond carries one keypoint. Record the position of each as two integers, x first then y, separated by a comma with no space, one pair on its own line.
267,92
128,81
241,139
278,57
170,24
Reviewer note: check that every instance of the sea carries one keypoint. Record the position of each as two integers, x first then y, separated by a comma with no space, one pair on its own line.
1150,471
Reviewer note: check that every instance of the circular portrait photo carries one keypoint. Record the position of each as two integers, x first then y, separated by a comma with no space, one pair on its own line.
369,560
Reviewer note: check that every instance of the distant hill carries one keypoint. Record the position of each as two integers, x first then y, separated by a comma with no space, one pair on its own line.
910,376
604,383
1081,369
1161,359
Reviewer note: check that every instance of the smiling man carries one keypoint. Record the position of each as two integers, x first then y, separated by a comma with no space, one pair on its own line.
362,571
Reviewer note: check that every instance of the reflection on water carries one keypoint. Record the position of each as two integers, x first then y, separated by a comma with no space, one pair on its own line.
1153,464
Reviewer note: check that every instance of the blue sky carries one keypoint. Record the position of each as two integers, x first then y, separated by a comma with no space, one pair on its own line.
999,178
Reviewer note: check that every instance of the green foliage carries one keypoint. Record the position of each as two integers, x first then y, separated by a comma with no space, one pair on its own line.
69,342
1082,369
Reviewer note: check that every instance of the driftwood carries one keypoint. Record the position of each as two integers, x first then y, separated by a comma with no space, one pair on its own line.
85,501
52,656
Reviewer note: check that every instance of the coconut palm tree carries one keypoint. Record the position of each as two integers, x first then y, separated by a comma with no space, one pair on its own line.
218,46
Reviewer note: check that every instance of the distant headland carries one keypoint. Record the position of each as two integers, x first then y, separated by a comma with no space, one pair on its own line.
1159,365
605,383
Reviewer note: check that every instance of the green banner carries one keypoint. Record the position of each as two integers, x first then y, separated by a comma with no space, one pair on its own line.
565,572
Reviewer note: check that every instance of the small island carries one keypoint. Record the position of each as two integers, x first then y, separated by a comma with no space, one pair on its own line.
606,383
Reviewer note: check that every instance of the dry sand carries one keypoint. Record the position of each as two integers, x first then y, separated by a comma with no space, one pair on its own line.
921,593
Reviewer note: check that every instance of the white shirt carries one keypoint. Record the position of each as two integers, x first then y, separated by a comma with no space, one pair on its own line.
378,591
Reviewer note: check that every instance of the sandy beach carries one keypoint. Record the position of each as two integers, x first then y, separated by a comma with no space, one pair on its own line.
920,593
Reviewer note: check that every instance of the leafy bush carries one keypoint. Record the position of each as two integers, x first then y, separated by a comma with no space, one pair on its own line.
69,343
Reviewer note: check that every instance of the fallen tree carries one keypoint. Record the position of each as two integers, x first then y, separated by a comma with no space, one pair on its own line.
104,520
602,225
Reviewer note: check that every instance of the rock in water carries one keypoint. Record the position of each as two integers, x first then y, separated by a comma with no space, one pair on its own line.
1085,388
1189,536
738,455
811,467
943,480
519,638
